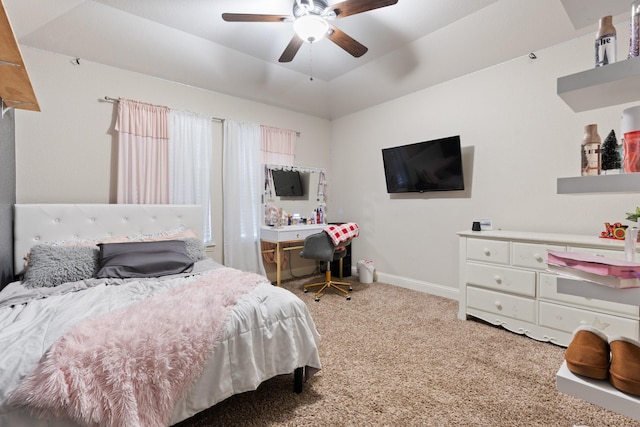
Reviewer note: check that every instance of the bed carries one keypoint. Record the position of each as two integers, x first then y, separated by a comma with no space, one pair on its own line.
130,348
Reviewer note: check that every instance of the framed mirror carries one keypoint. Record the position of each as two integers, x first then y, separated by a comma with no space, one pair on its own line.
296,190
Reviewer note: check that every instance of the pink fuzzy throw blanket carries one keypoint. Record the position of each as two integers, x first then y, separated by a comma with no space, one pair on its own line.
129,367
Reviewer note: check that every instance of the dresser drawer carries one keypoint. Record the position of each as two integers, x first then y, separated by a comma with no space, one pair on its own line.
502,304
502,278
494,251
548,291
532,255
609,253
567,319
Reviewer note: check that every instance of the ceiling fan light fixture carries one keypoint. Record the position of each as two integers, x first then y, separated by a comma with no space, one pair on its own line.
310,28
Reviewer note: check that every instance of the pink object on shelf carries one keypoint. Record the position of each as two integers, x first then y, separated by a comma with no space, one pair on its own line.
632,152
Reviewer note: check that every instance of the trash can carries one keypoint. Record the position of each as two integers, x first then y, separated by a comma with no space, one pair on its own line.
365,270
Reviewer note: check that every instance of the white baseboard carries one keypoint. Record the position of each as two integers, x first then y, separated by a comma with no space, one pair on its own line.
416,285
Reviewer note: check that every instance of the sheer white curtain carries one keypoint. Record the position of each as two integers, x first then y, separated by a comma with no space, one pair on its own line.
142,152
191,140
278,146
242,190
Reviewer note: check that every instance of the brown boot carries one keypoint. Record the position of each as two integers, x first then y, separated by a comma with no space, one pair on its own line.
625,365
588,353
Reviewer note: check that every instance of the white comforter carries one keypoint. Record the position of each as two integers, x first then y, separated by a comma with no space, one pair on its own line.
269,332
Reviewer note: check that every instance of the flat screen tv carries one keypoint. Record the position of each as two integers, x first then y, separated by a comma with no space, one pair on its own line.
434,165
287,183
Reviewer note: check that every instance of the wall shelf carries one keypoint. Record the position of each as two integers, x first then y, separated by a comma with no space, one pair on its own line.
613,84
15,87
619,183
599,392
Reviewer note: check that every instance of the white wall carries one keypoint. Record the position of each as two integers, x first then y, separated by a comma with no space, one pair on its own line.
517,135
65,153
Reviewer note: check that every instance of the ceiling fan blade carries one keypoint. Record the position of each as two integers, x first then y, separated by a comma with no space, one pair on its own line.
291,49
351,7
250,17
346,42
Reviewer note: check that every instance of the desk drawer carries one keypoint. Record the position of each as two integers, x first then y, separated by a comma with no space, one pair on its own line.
549,291
502,304
608,253
567,319
532,255
488,250
502,278
294,233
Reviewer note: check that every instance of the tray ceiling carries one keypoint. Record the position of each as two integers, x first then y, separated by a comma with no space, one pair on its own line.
412,45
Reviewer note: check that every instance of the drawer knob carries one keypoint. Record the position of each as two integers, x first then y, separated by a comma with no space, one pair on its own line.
538,257
486,251
498,279
498,305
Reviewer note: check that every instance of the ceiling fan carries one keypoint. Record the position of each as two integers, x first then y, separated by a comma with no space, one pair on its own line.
311,23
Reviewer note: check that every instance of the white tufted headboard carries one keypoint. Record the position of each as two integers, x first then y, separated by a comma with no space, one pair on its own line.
40,223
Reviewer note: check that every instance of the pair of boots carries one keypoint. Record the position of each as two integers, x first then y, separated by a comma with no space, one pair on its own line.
592,354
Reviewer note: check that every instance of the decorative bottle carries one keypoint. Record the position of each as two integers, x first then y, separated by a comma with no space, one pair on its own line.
591,151
630,242
634,30
606,42
630,127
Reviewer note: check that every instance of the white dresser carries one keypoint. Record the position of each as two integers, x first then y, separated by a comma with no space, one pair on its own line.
503,281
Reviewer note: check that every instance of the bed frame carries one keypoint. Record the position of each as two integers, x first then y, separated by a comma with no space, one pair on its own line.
40,223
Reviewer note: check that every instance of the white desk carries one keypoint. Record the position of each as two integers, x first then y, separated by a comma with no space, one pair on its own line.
286,235
599,392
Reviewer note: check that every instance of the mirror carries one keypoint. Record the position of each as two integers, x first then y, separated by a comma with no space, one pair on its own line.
300,205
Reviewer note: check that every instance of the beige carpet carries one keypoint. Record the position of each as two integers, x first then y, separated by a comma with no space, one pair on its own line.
396,357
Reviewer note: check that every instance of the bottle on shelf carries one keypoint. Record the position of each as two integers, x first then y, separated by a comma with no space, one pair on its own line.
630,127
606,42
634,30
590,151
630,242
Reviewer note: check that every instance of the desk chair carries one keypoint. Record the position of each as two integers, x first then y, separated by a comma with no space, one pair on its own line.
329,245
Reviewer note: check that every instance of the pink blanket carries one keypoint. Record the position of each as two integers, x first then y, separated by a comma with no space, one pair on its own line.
129,367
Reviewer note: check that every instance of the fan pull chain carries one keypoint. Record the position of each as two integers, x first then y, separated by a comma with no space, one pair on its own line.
310,62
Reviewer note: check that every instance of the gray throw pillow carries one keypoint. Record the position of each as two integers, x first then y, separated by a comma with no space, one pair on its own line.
51,266
195,249
143,259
